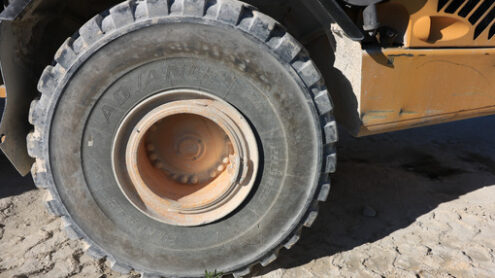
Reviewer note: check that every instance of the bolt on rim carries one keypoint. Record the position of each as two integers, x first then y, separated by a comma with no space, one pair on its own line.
185,157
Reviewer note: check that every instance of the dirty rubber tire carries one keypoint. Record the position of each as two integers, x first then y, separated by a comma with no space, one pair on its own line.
140,48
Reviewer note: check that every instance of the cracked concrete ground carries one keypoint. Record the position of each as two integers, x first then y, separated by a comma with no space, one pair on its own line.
416,203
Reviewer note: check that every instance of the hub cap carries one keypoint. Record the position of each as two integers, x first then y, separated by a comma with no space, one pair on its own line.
185,158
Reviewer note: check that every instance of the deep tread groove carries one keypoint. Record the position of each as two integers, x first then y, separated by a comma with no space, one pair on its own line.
231,12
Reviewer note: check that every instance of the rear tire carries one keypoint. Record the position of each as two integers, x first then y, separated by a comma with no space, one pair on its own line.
139,49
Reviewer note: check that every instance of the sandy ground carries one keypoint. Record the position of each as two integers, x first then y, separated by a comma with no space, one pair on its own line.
417,203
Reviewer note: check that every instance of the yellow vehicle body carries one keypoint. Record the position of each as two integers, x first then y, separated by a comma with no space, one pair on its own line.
443,71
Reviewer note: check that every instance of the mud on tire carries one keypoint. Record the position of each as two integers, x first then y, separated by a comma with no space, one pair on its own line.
139,48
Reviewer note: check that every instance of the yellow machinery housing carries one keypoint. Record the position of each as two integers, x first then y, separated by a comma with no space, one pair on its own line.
443,69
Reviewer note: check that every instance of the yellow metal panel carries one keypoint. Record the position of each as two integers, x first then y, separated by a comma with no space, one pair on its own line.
403,88
426,23
3,91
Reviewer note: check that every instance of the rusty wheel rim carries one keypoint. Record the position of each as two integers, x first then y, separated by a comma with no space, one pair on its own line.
190,160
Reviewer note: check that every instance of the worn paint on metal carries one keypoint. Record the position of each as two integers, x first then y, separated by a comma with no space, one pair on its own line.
404,88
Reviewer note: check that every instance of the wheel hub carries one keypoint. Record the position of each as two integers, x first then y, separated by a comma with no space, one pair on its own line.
189,148
187,162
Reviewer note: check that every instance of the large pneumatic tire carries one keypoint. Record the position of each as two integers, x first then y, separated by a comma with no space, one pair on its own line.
223,62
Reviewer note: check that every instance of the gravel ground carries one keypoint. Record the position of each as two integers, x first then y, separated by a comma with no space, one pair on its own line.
417,203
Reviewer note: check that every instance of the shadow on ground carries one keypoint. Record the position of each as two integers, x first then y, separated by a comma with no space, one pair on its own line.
11,183
400,176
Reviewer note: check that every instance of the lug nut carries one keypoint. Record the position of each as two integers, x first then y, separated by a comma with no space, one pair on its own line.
158,165
213,174
153,156
183,179
194,180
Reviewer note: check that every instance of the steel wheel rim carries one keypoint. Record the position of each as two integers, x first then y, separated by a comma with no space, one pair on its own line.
181,200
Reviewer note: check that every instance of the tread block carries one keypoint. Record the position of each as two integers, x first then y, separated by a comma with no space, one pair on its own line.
122,14
246,18
242,273
308,73
194,8
34,113
95,252
40,178
176,7
261,26
156,8
331,134
310,219
70,230
288,48
79,45
91,31
229,12
331,162
293,240
65,55
49,80
117,266
150,275
54,207
268,260
34,145
324,192
323,103
211,8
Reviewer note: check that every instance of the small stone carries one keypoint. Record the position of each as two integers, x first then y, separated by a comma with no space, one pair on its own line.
369,211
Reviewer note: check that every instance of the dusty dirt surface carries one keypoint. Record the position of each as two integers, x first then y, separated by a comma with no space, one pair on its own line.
417,203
